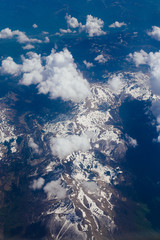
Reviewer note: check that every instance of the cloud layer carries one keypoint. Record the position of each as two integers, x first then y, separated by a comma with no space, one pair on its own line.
58,77
62,147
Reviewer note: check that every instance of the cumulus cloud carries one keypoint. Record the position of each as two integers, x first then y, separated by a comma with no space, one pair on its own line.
88,64
33,145
10,67
90,186
55,190
59,76
139,57
117,24
72,22
93,26
153,61
63,146
35,25
6,33
101,59
115,82
155,33
37,184
28,47
20,36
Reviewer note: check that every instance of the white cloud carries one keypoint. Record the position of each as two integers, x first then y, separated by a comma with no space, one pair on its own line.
46,40
88,64
153,61
93,26
117,24
21,36
10,67
35,25
55,190
6,33
62,79
45,33
115,82
63,146
37,184
156,112
28,47
72,22
139,57
101,59
131,141
33,145
90,186
59,77
65,30
155,33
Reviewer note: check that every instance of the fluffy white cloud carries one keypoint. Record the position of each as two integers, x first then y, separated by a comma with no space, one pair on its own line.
63,146
21,36
88,64
33,145
35,25
153,61
117,24
6,33
28,47
59,77
10,67
62,79
93,26
115,82
72,22
101,59
55,190
139,57
155,33
37,184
